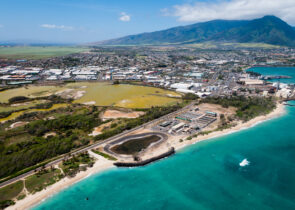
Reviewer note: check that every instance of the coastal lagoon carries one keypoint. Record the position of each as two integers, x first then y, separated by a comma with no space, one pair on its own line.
250,169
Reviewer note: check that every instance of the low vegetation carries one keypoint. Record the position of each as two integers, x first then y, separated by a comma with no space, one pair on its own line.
109,157
27,146
30,104
127,124
9,193
134,146
247,107
190,96
42,179
18,99
76,163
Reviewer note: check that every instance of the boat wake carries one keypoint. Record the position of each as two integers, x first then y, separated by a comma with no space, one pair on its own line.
244,163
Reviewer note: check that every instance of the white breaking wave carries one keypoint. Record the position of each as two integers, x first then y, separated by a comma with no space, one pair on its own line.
245,162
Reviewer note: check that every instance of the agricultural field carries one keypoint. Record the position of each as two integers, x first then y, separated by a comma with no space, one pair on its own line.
38,52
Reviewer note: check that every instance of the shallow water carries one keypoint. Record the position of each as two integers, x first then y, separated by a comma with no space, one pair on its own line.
283,71
207,175
250,169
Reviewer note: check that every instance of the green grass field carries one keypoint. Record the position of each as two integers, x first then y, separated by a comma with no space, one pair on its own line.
11,191
38,52
41,180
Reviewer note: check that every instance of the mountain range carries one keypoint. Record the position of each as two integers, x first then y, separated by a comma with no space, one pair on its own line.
268,30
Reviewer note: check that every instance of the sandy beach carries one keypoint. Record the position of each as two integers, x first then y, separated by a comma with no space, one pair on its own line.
33,199
103,164
279,111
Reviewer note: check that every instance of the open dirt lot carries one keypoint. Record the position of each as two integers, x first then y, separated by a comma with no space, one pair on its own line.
114,114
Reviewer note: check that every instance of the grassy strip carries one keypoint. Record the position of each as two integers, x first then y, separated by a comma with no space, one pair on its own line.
104,155
42,179
11,191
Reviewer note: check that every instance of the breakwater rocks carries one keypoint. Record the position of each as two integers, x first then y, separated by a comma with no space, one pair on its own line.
145,162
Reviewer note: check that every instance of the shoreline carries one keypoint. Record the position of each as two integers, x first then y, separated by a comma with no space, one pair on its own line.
102,164
34,199
278,112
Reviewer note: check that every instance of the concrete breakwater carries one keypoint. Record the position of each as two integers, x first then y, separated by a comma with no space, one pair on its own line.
145,162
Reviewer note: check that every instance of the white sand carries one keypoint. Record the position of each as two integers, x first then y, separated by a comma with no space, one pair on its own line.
103,164
33,199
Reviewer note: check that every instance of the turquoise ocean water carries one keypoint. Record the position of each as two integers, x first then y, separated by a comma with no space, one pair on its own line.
206,175
286,71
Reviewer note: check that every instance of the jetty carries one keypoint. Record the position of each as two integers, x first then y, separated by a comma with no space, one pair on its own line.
145,162
270,77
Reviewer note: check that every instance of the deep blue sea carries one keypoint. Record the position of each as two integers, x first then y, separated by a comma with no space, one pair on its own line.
285,71
206,175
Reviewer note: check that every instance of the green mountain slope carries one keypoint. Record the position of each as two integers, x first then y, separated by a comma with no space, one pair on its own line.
269,30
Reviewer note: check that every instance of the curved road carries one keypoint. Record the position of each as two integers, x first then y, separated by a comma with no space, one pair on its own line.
165,117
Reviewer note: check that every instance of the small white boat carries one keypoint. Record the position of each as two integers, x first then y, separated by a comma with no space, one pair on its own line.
244,162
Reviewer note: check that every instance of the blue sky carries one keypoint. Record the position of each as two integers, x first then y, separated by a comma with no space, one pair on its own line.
82,21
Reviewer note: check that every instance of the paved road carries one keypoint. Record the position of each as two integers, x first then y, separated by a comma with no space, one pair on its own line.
96,145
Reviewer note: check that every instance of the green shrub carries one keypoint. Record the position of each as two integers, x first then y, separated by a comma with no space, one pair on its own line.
18,99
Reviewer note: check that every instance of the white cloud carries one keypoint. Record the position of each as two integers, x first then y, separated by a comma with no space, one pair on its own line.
124,17
1,26
53,26
233,9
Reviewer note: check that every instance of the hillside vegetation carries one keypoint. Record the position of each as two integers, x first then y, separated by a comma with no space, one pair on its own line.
269,30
